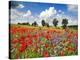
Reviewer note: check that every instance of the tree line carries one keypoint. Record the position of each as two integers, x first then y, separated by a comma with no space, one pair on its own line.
55,23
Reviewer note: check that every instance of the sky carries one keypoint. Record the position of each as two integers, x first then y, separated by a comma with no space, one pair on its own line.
36,11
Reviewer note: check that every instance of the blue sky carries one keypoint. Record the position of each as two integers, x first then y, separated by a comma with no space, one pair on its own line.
35,11
41,6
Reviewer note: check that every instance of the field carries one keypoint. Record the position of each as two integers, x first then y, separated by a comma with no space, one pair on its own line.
34,42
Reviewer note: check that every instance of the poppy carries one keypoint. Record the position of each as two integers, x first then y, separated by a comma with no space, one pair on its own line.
14,41
45,54
46,45
22,47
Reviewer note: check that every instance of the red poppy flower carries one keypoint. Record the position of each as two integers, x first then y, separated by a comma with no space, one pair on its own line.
46,45
22,47
69,35
14,41
29,35
47,36
22,38
36,36
29,42
45,54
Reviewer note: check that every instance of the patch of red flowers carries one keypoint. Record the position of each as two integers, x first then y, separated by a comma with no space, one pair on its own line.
14,41
45,54
46,45
22,47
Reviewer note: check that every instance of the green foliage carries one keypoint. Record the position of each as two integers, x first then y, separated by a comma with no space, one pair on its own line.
55,22
64,23
33,54
34,24
43,23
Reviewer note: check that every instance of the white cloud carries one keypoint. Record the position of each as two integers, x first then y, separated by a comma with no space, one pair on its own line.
15,14
18,16
48,13
21,6
72,8
60,11
27,14
73,22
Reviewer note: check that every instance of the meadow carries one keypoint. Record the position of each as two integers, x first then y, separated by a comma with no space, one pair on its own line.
34,41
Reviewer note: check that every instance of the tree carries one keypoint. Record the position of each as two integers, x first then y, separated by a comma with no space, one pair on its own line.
55,22
19,23
64,23
23,23
47,24
34,23
28,24
43,23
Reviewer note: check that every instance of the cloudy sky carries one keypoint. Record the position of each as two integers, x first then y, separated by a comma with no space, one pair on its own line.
34,11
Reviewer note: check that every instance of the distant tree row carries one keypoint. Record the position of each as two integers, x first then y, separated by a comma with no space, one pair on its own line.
55,23
33,24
